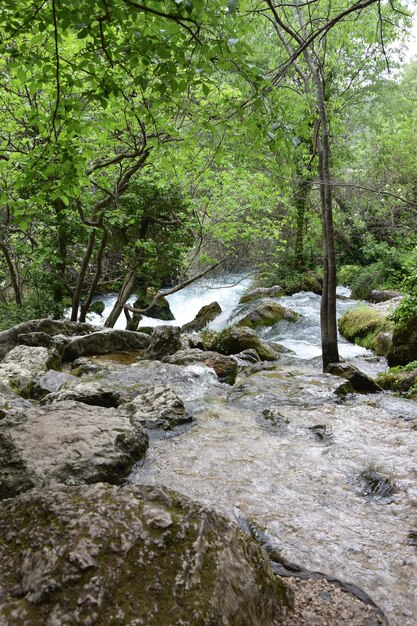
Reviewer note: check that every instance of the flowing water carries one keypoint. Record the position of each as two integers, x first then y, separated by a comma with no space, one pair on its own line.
333,479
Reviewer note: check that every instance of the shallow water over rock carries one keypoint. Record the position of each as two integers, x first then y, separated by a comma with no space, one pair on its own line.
255,449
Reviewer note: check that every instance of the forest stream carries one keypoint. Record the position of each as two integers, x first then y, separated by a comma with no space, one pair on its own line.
332,478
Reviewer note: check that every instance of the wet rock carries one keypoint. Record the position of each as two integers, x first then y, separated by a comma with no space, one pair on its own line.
66,442
364,326
195,340
105,342
165,340
10,402
83,366
97,307
403,348
10,338
160,310
268,313
50,382
382,295
158,407
101,554
399,379
205,315
412,538
224,366
308,281
237,339
22,364
359,381
262,292
321,433
247,356
275,418
373,484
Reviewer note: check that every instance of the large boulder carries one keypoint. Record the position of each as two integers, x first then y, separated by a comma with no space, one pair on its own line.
10,338
23,364
158,407
268,313
368,327
66,442
205,315
400,379
161,310
262,292
164,340
105,342
403,347
382,295
224,366
50,382
121,556
360,382
238,339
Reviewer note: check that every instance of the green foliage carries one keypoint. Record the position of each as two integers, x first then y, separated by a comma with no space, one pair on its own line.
347,273
38,304
368,278
407,308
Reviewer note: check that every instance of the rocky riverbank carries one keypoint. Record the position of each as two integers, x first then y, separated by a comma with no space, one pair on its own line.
73,425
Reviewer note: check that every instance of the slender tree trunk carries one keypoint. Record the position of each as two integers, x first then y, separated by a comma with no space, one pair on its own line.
330,352
81,276
14,273
301,202
126,291
99,262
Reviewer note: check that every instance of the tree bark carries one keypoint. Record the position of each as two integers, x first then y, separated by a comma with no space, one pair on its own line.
14,273
99,261
126,291
81,276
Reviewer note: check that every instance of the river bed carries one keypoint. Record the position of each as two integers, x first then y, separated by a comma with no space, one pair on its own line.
281,448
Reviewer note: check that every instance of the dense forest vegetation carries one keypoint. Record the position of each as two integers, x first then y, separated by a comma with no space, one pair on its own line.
142,145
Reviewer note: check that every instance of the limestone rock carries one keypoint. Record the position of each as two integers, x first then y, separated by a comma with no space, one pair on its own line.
262,292
161,310
382,295
158,407
22,364
268,313
165,340
237,339
10,338
101,554
360,382
403,348
66,442
205,315
224,366
105,342
50,382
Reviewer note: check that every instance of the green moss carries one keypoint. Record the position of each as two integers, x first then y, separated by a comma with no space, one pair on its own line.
365,326
400,379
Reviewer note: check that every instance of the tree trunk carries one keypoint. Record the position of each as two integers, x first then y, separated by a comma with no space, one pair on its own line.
126,291
81,276
14,273
86,305
301,202
330,353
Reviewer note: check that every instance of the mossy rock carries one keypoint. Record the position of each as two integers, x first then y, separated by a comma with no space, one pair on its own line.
267,313
99,554
365,326
400,379
237,339
262,292
97,306
403,348
205,315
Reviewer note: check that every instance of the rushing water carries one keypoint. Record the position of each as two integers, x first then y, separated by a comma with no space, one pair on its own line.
281,448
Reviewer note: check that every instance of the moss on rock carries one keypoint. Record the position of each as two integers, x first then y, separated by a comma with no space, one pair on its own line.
365,326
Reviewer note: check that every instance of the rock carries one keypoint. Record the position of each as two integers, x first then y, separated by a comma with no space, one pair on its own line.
66,442
10,403
161,310
82,366
9,338
382,295
205,315
158,407
399,379
165,340
309,281
262,292
97,307
268,313
237,339
360,382
42,340
93,393
403,348
105,342
364,326
22,364
50,382
224,366
106,555
195,340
